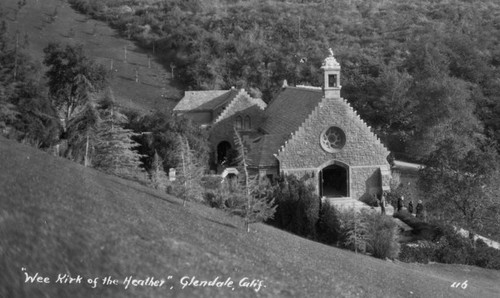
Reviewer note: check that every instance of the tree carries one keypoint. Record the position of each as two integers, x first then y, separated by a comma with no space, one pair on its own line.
115,151
355,229
81,134
461,186
26,114
190,171
298,206
72,78
8,112
161,134
157,174
250,196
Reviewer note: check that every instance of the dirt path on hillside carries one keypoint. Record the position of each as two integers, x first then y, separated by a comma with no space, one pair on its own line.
138,82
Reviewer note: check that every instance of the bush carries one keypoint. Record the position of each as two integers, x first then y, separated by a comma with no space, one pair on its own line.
455,249
451,248
383,237
420,252
486,257
420,230
371,200
369,232
328,228
353,230
298,206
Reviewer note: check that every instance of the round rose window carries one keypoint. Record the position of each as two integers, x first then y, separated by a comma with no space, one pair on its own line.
332,139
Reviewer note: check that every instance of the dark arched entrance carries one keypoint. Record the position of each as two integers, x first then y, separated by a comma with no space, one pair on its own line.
334,181
222,151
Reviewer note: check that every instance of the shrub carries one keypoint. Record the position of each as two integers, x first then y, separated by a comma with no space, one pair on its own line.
454,248
328,228
353,230
420,230
451,248
369,232
420,252
298,206
382,236
486,257
370,200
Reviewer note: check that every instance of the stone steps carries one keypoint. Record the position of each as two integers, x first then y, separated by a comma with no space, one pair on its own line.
349,203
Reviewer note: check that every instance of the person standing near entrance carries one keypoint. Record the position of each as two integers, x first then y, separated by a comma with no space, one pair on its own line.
382,204
400,203
410,207
420,209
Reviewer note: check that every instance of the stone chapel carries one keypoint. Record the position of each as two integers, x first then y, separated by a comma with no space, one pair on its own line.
302,131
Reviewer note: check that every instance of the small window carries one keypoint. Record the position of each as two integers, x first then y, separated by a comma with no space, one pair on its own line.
239,123
332,80
248,123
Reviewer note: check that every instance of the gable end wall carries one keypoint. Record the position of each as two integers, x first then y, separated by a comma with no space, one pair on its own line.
363,152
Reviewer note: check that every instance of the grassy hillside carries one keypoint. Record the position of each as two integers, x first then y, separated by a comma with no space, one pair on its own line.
59,217
44,21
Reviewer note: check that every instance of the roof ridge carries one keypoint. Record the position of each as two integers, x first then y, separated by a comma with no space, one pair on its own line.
213,90
306,88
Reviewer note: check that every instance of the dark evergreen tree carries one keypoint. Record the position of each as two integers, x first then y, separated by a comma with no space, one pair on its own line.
115,150
72,78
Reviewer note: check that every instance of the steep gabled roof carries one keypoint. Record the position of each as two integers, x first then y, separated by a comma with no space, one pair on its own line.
289,109
235,104
263,148
283,116
207,100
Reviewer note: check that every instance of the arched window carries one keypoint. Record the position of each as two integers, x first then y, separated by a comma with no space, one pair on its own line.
238,122
248,123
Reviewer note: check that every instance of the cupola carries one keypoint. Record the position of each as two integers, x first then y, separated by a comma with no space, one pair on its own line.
331,69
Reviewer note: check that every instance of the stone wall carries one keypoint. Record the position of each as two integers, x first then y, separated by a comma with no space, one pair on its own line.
365,182
223,130
199,117
363,152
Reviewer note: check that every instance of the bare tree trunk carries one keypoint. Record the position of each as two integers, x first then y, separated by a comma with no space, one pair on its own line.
247,188
86,160
185,178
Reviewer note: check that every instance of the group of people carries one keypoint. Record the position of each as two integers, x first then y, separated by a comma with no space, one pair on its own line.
419,210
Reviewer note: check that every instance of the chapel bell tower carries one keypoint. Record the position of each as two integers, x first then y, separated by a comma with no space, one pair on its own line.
331,69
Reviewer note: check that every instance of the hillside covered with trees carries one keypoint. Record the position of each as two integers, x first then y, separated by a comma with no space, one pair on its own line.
419,72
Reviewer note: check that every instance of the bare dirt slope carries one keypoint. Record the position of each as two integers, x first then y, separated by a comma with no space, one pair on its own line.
44,21
57,217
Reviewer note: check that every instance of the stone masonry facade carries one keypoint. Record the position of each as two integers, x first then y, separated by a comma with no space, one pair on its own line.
363,153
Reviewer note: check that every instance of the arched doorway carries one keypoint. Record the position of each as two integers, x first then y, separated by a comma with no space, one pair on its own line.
334,181
222,152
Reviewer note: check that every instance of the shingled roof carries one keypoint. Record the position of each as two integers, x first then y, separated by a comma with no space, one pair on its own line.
289,109
283,116
207,100
263,148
